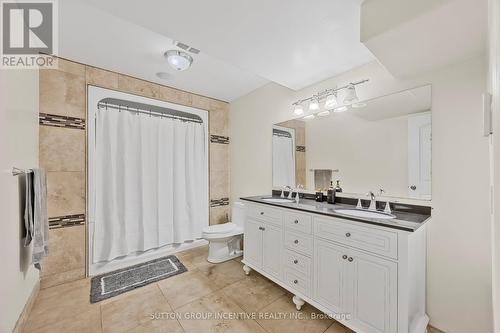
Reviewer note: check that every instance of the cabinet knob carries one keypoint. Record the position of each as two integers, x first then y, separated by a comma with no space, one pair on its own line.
344,257
350,259
295,281
295,261
261,213
296,221
296,241
348,234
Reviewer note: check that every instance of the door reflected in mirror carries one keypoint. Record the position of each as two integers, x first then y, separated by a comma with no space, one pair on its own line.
381,145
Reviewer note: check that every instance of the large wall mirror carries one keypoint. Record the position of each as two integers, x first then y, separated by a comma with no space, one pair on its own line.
382,144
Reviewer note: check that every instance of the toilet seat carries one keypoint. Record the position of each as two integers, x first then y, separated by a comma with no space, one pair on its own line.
221,230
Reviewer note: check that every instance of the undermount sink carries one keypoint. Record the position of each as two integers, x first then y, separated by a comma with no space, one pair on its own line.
278,200
365,213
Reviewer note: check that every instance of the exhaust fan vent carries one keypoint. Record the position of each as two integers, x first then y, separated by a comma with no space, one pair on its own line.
186,47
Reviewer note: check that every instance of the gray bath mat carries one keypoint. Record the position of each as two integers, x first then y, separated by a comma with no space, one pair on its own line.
117,282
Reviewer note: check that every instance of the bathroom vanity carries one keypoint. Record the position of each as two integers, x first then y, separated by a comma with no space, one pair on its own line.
367,273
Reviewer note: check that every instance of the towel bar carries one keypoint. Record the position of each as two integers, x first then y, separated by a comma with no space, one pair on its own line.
17,171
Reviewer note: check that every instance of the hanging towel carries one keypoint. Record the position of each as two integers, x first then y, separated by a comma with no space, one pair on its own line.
35,215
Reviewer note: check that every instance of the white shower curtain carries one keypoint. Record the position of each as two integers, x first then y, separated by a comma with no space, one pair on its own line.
150,187
283,161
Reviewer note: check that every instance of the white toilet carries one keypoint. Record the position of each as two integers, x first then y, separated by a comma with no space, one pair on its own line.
225,239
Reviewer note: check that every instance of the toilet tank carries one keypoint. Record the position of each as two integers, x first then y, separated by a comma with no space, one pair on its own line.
238,213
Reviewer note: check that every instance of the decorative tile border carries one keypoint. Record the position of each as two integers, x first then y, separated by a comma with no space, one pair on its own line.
219,139
66,221
219,202
301,148
61,121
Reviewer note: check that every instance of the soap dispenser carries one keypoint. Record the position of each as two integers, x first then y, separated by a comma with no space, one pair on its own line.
330,194
338,188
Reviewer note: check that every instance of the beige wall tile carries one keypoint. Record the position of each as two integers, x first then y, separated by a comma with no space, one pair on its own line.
219,157
219,118
219,184
70,67
300,168
67,250
62,149
176,96
219,214
99,77
138,87
201,102
62,93
66,193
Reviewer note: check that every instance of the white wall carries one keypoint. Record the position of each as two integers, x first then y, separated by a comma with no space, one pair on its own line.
459,264
368,154
18,147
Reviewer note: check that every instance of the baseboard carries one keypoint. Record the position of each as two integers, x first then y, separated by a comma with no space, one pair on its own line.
431,329
21,321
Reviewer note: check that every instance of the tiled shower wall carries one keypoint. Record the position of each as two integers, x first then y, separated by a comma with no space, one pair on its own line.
63,154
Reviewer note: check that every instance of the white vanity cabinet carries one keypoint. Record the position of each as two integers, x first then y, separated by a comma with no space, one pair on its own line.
369,277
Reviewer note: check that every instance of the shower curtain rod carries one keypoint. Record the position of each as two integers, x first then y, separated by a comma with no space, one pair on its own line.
150,110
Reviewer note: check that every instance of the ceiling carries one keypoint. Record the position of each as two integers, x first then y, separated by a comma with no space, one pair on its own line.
244,44
92,36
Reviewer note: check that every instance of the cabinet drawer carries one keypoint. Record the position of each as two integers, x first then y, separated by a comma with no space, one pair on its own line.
298,222
298,262
265,213
369,239
299,242
297,281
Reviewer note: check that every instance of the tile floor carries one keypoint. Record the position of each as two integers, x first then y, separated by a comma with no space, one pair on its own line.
207,298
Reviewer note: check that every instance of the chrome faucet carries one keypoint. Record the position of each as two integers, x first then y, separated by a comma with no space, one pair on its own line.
373,202
297,196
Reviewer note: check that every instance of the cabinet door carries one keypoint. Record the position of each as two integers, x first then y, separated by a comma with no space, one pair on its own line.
252,252
372,291
272,259
329,275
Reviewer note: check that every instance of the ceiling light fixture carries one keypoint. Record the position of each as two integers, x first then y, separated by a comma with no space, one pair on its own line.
331,99
298,109
179,60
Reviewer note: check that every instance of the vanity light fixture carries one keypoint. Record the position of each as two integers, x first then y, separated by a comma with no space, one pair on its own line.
313,105
331,99
341,109
309,116
298,109
350,95
331,102
323,113
179,60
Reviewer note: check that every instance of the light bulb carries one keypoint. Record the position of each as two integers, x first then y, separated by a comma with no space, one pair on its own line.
331,102
313,105
298,109
350,95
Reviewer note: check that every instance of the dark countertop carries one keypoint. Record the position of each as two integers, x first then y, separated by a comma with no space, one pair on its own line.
406,219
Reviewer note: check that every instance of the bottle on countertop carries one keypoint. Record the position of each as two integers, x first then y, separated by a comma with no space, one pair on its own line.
338,188
330,194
